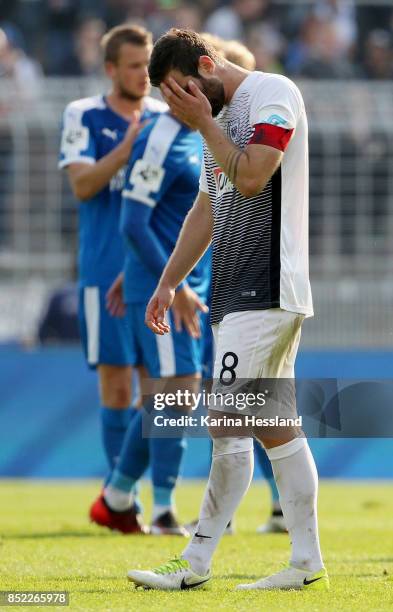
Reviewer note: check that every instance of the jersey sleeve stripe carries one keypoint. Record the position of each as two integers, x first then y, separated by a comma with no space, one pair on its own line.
81,159
161,139
138,196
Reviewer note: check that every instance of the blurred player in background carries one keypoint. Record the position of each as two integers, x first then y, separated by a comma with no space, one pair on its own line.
253,205
161,185
97,138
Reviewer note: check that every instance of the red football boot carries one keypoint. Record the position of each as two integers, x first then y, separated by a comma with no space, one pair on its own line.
126,522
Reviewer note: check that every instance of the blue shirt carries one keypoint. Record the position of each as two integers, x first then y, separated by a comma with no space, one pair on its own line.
91,130
162,182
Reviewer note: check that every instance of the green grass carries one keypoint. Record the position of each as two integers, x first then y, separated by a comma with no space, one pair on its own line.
47,544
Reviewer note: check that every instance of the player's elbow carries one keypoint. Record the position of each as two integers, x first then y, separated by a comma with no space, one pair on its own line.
81,191
250,187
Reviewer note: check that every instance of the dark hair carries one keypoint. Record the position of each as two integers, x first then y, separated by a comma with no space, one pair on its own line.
120,35
179,49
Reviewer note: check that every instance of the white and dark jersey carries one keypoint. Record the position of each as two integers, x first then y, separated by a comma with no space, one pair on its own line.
260,244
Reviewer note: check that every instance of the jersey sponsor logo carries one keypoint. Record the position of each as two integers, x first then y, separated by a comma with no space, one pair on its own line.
110,133
276,120
118,180
223,184
147,175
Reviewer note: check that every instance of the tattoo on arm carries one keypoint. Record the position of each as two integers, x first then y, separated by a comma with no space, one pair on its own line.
235,167
232,163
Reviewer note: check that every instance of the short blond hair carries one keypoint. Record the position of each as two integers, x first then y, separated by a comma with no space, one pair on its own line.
214,41
239,54
232,50
127,33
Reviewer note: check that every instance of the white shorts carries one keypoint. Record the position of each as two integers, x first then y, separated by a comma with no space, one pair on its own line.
255,345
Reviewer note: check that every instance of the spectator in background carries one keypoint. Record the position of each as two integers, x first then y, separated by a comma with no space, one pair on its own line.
319,39
16,65
86,58
370,17
29,17
176,14
188,15
318,53
120,11
61,21
342,15
232,21
24,75
378,57
267,45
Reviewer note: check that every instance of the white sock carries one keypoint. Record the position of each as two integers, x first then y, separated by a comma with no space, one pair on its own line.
159,509
297,482
230,476
117,500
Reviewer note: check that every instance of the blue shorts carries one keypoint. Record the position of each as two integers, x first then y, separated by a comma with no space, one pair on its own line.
105,339
174,354
207,347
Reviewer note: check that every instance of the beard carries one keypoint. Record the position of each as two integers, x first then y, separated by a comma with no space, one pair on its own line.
214,91
129,95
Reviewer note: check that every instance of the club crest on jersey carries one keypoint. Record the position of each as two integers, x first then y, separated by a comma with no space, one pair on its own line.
223,184
234,130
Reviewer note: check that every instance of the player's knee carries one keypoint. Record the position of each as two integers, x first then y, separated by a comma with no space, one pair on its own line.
121,396
229,446
116,393
270,437
115,384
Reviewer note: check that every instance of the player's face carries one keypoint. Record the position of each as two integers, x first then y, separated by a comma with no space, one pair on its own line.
211,86
130,74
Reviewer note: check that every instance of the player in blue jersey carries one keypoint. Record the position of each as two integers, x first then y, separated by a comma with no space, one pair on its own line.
161,185
97,138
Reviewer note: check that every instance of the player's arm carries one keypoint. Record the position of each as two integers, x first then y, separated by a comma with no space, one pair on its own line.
249,169
87,175
195,237
89,179
135,225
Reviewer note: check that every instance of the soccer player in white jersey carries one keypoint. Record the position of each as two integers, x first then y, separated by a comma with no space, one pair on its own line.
253,207
238,54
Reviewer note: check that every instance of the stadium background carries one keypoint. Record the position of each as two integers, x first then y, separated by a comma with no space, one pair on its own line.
340,52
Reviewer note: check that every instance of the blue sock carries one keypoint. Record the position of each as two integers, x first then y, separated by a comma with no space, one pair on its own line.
114,422
166,459
134,457
266,468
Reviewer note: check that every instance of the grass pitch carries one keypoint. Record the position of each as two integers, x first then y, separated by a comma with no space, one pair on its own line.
47,544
